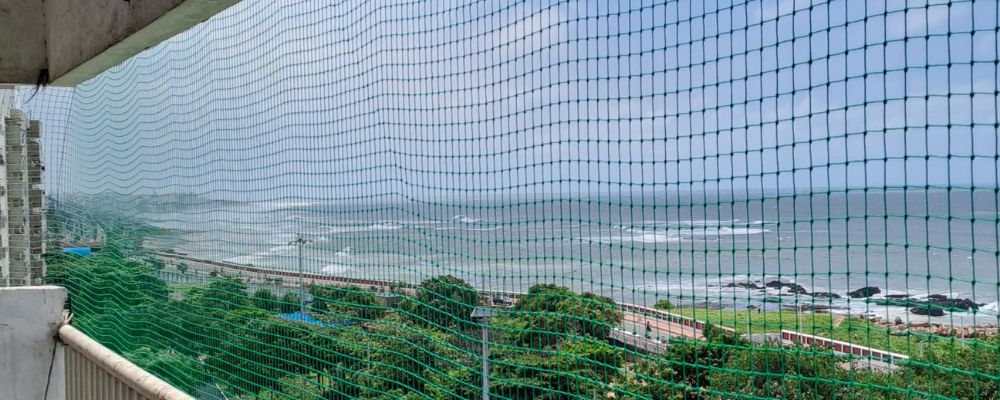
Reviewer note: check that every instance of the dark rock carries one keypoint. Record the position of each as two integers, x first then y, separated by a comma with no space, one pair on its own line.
928,309
867,291
825,294
792,287
897,296
937,297
745,285
898,321
962,304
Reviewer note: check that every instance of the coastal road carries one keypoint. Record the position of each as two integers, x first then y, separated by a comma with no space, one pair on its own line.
658,328
636,319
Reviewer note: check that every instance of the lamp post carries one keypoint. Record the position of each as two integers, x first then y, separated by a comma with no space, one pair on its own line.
301,241
483,315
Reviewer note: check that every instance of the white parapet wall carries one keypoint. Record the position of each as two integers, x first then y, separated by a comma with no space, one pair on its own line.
30,359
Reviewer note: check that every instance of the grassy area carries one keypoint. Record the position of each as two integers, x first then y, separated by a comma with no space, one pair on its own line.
852,330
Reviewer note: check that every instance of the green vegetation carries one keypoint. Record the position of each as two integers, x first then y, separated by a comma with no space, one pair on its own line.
265,300
553,344
663,304
289,303
442,302
851,330
343,303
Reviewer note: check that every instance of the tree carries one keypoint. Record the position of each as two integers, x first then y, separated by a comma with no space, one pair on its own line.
262,350
182,267
184,373
290,302
265,300
342,303
443,301
664,304
412,359
779,372
550,313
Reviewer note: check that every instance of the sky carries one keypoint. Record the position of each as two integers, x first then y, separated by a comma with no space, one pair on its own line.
321,100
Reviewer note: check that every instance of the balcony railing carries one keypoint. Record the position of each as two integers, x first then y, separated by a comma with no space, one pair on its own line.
94,372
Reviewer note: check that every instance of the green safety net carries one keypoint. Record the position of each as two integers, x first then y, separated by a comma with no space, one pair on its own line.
606,199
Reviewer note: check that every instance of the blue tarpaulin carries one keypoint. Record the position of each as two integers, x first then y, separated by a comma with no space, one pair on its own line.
308,319
80,251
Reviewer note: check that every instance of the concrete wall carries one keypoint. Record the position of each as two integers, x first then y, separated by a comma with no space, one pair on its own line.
22,44
74,40
29,318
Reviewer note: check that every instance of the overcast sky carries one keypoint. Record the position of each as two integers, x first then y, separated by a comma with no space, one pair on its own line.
308,100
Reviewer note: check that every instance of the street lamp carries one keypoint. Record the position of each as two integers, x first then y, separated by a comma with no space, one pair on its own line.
483,315
301,241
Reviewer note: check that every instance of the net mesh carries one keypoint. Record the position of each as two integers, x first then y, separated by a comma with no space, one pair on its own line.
542,200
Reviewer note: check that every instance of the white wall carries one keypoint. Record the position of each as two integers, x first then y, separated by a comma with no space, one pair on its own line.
29,317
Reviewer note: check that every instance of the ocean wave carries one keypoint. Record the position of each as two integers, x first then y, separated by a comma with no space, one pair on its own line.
637,238
346,252
281,249
331,269
282,238
465,220
283,204
467,229
706,231
737,231
381,226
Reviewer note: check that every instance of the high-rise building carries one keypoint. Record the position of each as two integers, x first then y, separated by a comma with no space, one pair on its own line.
36,202
22,201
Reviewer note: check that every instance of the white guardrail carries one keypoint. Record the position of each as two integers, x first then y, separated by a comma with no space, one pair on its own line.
93,372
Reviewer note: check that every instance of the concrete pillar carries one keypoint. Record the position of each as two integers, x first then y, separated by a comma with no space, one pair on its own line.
29,319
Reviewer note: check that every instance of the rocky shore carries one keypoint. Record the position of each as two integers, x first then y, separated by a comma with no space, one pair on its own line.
935,305
897,326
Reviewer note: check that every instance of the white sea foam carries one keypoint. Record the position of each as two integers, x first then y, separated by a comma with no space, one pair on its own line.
281,249
346,252
281,204
635,238
282,238
381,226
706,231
465,220
332,269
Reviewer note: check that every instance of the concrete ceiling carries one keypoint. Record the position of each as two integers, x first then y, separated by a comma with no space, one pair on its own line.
66,42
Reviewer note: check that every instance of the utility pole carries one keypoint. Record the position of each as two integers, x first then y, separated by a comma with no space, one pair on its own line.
301,241
483,315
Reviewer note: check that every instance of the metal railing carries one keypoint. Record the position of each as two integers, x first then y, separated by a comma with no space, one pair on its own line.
93,372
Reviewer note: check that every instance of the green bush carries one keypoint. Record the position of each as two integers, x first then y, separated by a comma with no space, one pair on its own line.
663,304
340,303
443,301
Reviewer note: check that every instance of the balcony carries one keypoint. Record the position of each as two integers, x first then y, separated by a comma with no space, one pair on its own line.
44,357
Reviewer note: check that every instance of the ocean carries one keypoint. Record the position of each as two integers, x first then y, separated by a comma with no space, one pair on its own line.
636,248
